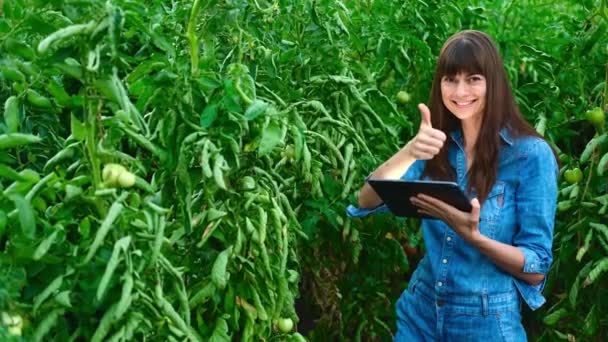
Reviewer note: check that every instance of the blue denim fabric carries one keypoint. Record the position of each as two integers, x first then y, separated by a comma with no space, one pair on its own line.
423,315
520,211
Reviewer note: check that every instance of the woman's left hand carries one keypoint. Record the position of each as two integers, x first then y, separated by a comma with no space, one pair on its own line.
463,223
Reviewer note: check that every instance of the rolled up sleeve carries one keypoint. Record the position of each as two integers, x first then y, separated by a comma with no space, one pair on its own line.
536,201
353,211
413,172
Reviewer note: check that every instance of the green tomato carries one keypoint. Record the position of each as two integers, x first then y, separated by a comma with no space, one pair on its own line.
596,117
247,183
289,152
285,324
573,176
297,337
403,97
126,179
111,173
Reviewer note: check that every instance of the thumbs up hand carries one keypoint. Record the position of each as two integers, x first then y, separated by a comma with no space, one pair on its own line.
428,141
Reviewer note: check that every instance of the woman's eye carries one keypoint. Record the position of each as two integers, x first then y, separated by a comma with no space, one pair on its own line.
475,78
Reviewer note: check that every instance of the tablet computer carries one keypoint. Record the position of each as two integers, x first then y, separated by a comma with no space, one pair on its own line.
396,193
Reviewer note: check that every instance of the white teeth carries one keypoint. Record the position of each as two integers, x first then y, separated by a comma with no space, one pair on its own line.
463,103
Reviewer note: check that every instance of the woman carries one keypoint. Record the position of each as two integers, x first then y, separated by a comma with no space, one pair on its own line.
478,266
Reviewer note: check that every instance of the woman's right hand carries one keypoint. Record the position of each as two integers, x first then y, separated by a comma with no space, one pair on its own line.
428,141
425,145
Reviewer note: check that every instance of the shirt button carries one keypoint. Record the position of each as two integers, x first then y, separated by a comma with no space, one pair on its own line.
449,238
531,265
445,261
439,283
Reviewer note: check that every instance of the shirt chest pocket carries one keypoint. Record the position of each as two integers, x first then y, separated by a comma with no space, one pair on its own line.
492,207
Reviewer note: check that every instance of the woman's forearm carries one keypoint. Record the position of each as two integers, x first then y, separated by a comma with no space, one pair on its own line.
507,257
393,168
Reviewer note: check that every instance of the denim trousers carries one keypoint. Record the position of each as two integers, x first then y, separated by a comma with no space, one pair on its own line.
422,315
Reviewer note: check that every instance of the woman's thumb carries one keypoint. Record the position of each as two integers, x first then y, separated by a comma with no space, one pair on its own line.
425,115
476,209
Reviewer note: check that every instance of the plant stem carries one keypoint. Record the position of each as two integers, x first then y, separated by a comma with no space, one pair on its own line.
191,33
91,123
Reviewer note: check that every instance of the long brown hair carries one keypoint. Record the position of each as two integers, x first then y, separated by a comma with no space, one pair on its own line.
474,52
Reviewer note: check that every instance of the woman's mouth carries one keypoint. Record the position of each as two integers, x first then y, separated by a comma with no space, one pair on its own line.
464,103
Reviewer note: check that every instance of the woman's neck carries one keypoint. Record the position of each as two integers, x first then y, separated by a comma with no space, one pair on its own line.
470,132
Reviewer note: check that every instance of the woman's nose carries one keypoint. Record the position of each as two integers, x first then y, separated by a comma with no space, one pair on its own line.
461,88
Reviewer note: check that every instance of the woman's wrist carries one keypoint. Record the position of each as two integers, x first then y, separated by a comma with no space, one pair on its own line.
407,151
476,239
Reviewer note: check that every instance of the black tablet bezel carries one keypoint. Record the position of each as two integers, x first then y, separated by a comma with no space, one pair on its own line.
396,193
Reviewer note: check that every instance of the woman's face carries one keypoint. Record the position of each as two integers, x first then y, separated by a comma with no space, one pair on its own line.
464,95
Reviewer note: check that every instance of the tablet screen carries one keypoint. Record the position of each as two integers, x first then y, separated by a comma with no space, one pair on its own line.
396,194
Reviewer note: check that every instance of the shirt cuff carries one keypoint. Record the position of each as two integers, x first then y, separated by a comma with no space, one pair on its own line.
353,211
531,294
532,263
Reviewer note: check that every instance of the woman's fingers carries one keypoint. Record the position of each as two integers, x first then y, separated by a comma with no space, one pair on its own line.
427,143
433,133
426,146
423,140
425,205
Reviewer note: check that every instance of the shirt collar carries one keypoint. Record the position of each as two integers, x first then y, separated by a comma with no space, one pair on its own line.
503,133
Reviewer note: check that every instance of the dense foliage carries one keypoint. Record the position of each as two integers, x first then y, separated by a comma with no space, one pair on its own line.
179,170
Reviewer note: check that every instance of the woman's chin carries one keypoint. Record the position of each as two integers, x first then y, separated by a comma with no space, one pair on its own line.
467,114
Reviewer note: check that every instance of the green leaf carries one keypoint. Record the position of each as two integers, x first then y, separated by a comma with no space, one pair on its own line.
143,69
331,187
4,26
573,295
70,68
271,137
3,222
11,114
26,215
598,268
48,291
107,89
309,225
219,273
602,165
38,25
209,115
220,332
231,101
162,43
71,192
208,83
13,9
13,280
79,130
591,146
554,317
591,322
63,298
256,109
44,246
59,93
19,48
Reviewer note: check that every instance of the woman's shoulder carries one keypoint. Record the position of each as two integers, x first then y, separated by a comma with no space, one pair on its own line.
534,152
527,146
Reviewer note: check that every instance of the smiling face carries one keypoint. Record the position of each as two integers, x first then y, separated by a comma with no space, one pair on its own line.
464,95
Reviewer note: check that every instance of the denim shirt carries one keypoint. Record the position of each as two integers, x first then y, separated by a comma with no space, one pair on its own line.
519,211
